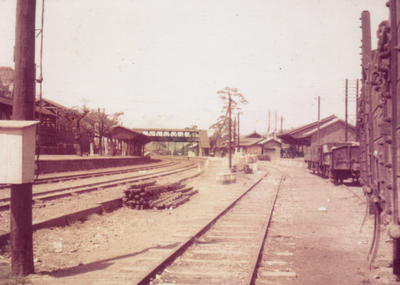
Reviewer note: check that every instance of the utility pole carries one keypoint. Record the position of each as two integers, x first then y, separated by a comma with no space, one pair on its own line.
281,123
228,92
357,113
346,112
319,118
230,130
238,130
23,109
269,122
234,132
276,122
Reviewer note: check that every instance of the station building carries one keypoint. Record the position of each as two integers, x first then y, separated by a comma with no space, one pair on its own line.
327,130
257,144
57,137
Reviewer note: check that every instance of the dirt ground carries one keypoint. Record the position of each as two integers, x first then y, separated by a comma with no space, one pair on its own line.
322,220
320,225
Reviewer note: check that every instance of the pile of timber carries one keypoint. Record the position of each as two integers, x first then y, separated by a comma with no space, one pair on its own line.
151,196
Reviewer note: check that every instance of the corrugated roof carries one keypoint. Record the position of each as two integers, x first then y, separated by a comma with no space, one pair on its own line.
9,102
254,135
55,104
264,141
128,134
249,141
308,127
323,126
301,135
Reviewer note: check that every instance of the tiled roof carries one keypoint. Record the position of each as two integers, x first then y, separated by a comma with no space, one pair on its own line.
264,141
302,135
323,126
307,127
245,141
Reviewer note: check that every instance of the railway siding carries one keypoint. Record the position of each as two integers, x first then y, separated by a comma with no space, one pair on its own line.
69,207
217,256
119,239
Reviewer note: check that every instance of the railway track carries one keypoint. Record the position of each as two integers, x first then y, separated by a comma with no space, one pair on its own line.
56,193
228,249
95,173
104,205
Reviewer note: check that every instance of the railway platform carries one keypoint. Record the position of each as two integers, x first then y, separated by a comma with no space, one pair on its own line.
66,163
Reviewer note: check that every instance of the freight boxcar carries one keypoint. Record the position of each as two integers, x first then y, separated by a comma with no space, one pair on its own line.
345,163
335,160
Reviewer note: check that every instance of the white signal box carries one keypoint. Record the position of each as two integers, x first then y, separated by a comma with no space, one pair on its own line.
17,151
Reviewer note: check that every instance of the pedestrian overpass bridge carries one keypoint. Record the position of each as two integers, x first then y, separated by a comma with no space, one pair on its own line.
198,138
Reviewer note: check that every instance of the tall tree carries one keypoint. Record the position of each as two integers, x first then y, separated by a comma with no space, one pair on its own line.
98,124
231,99
71,119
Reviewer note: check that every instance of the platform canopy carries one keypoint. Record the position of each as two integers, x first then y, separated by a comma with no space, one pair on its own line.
302,135
123,133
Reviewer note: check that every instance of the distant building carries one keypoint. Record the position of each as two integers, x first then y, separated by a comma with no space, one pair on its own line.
249,143
329,129
255,143
271,147
56,132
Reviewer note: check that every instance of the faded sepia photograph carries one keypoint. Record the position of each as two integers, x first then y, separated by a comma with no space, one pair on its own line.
199,142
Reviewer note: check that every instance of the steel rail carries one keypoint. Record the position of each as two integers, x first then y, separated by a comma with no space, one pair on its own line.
260,248
93,173
105,206
146,278
79,189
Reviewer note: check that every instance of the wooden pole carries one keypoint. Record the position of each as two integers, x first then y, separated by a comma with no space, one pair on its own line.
319,118
234,132
357,112
23,109
346,112
230,132
238,131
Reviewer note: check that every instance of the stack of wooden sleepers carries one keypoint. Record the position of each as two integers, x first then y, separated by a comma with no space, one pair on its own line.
139,196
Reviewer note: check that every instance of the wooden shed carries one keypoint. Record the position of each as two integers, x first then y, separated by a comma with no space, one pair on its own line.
249,143
271,147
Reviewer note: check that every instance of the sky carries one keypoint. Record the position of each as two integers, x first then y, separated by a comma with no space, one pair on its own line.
161,62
